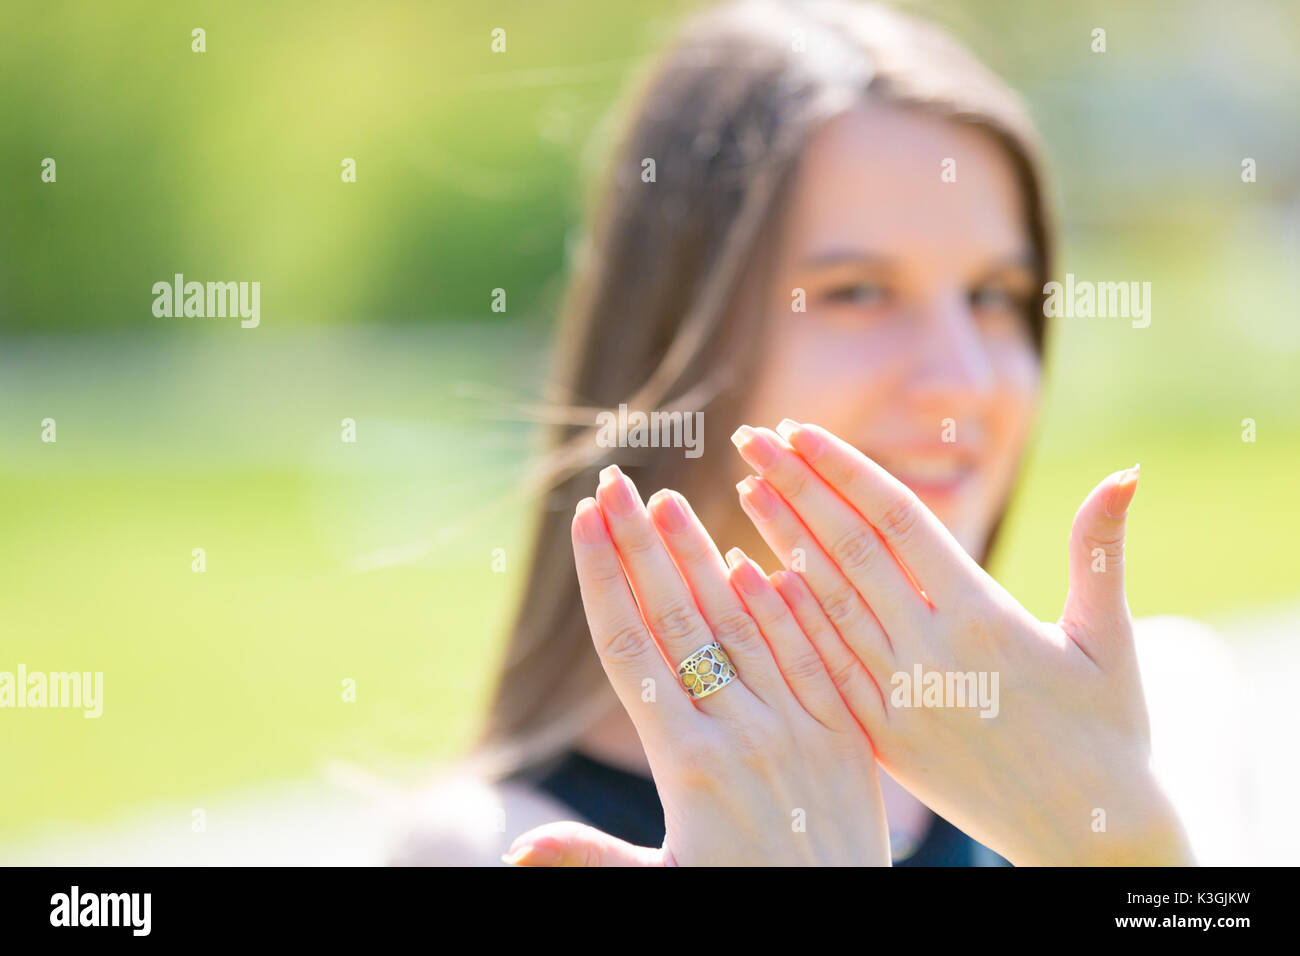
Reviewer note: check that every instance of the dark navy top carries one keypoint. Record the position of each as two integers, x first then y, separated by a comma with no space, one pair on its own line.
626,805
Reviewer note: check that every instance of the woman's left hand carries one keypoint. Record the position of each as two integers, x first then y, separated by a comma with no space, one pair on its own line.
1053,767
770,768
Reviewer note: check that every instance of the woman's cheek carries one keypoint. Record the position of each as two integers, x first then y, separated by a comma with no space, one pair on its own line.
821,369
1018,366
828,354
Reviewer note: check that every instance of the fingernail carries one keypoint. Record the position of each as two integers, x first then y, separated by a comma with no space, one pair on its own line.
755,497
1122,494
787,426
531,855
745,572
587,522
805,441
667,508
755,447
620,497
518,850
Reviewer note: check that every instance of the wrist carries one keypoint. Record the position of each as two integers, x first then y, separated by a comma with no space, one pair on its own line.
1142,828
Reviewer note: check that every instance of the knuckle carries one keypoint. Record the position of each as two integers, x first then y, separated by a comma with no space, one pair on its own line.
626,644
1110,544
736,629
804,667
839,473
691,550
606,573
843,673
674,621
840,606
639,542
899,520
857,550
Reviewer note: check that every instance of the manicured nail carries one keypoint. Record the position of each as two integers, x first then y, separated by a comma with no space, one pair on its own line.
786,428
669,511
531,855
1122,494
587,522
805,441
756,448
755,496
745,572
620,497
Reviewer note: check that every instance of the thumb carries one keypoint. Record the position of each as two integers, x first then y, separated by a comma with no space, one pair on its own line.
576,844
1096,605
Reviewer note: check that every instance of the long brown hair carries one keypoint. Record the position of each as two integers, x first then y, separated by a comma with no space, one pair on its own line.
661,306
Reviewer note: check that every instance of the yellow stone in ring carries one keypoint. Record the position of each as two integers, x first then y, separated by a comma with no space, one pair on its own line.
706,671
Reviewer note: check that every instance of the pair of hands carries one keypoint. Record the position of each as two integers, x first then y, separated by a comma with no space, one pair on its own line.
780,766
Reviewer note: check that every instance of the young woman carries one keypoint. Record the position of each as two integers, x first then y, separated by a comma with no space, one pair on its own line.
845,225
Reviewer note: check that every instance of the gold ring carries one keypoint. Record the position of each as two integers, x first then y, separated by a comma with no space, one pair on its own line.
706,671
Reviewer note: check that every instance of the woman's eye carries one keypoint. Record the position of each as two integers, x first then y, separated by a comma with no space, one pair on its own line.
859,294
994,299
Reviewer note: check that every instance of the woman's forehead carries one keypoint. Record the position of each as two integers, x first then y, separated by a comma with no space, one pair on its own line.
890,181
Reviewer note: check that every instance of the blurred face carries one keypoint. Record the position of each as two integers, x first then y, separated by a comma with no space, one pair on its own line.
914,344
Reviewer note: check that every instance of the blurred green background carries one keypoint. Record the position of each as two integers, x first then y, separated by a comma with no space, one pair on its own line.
372,560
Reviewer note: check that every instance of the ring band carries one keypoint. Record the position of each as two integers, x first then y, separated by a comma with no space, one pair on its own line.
706,671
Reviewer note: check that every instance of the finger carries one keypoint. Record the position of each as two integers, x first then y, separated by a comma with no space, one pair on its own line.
706,576
626,649
800,665
576,844
940,565
839,600
857,687
666,603
846,537
1096,606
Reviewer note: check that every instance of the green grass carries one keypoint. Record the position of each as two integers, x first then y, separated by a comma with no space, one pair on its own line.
234,675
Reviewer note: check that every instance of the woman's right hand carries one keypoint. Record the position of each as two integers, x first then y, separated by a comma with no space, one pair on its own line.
770,769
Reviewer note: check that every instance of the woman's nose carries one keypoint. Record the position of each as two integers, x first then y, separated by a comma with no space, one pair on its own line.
951,362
